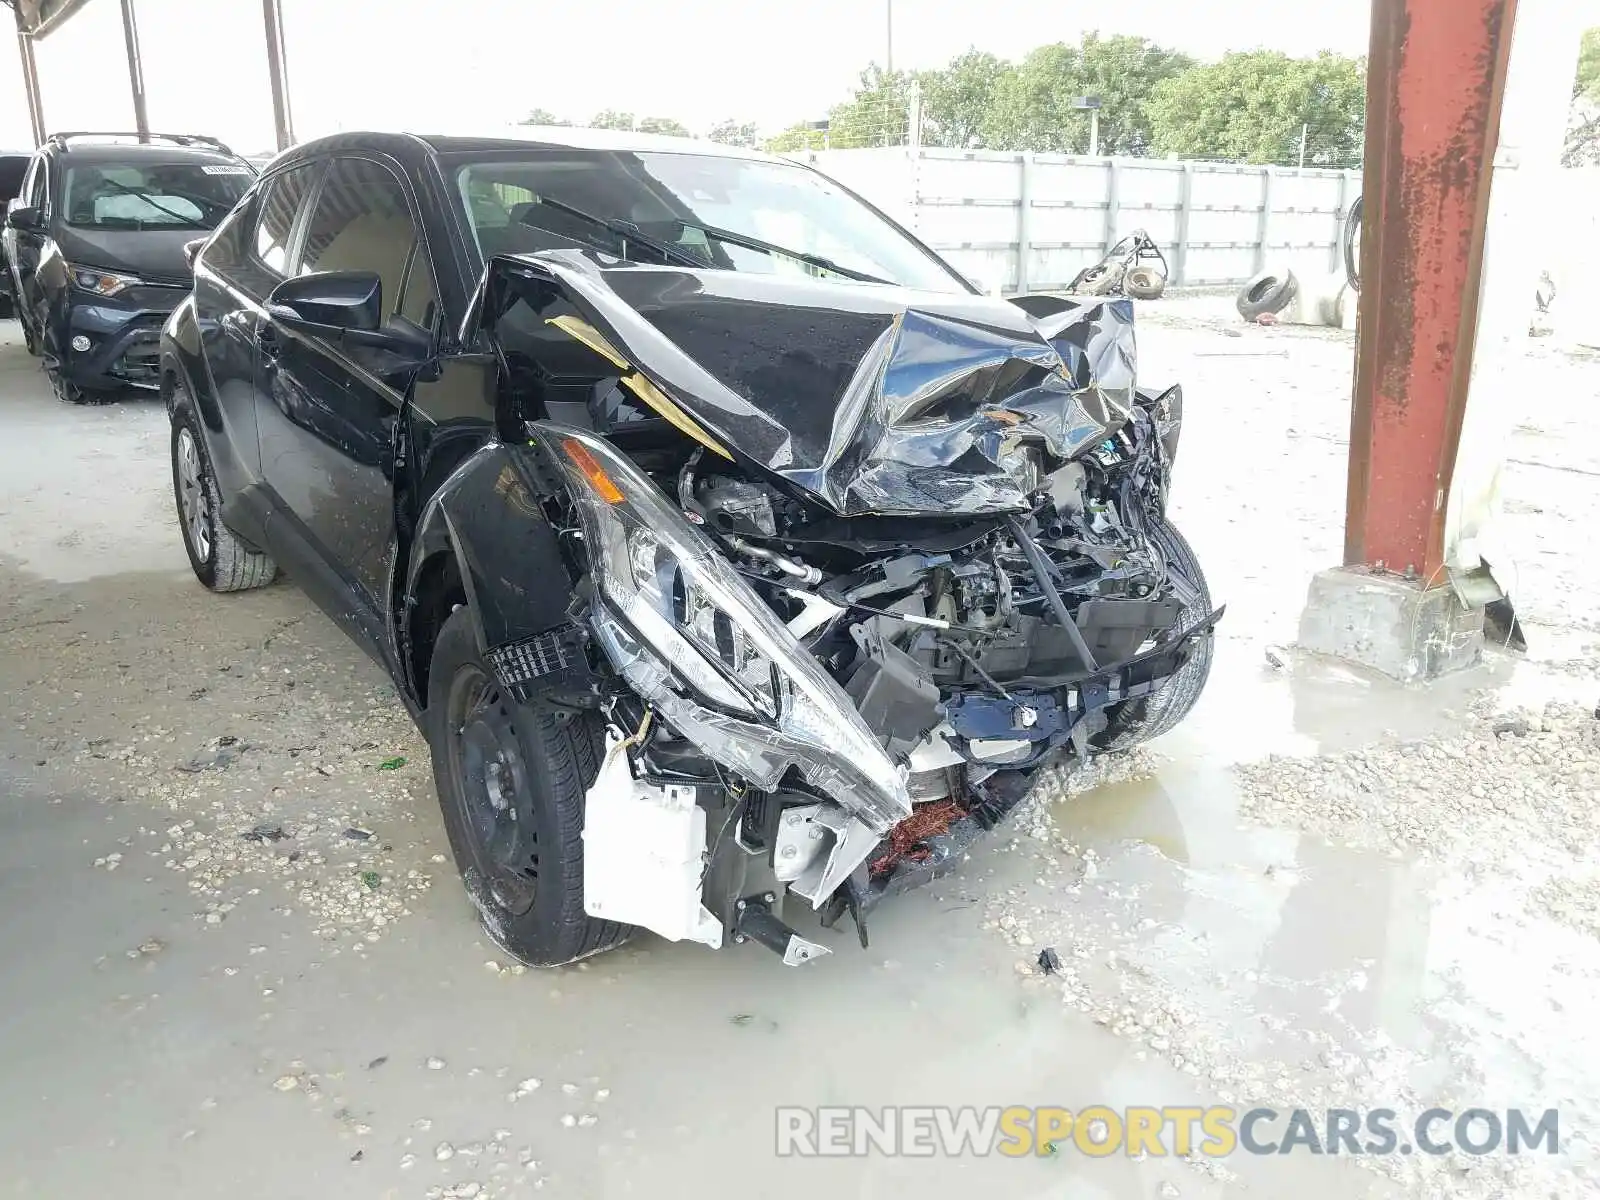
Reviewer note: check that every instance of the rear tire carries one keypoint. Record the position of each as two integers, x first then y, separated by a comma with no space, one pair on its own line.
220,560
512,781
1134,721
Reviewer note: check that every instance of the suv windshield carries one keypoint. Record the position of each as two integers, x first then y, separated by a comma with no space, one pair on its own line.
153,195
726,213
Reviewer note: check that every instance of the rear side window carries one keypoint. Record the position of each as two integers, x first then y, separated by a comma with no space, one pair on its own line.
279,203
362,222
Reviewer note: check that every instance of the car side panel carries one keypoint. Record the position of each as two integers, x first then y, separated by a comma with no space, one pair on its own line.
487,514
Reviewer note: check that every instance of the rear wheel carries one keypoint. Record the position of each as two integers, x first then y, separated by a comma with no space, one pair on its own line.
220,560
511,781
1135,721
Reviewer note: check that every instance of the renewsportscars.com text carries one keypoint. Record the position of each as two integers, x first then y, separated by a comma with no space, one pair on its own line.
1099,1131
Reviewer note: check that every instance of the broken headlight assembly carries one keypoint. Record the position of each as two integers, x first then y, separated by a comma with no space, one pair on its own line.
692,638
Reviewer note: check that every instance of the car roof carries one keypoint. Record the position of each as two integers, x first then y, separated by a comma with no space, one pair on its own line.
513,138
565,137
136,152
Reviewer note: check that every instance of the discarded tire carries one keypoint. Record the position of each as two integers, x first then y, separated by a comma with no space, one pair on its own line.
1098,281
1268,292
1144,283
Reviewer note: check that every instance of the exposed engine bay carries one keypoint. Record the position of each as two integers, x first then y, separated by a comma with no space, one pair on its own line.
835,649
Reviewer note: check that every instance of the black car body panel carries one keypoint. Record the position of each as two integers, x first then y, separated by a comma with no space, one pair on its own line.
71,239
936,516
873,399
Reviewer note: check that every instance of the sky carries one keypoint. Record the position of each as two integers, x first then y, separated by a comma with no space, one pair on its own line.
392,64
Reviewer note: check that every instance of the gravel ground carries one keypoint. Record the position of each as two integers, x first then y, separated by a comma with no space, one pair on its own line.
243,957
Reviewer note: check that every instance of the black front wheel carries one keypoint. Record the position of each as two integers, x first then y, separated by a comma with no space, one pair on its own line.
511,781
30,339
1131,722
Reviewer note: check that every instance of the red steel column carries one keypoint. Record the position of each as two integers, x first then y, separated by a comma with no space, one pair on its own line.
1435,77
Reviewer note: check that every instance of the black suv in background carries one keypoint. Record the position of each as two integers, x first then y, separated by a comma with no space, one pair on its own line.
94,249
13,169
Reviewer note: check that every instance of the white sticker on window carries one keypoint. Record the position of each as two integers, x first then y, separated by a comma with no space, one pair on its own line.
225,170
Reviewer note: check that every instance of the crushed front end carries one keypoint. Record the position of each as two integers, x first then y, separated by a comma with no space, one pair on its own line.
832,656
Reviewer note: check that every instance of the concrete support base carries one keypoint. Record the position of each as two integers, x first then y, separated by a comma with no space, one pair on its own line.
1390,625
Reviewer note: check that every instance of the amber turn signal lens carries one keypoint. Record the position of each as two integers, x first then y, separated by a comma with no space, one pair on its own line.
592,471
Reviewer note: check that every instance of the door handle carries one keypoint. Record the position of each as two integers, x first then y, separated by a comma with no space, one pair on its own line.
267,340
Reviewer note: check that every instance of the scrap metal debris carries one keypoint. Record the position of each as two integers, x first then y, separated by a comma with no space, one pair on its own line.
220,755
264,833
1049,960
906,838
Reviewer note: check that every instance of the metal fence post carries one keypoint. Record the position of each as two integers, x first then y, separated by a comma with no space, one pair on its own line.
283,124
1180,273
1113,200
130,37
1336,257
1024,220
30,81
1264,225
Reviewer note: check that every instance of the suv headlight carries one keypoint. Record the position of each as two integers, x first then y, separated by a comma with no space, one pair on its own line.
691,636
101,283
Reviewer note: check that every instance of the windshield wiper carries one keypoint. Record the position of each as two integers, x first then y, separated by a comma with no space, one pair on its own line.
627,232
811,260
176,216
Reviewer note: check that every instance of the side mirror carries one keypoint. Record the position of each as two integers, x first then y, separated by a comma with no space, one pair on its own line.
328,302
191,251
25,218
347,307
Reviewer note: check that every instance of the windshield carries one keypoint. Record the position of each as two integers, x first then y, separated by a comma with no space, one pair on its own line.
153,195
725,213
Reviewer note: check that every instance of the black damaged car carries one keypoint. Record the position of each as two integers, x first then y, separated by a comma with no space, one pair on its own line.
730,549
94,247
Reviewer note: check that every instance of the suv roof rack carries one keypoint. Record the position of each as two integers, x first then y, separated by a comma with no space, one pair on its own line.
177,139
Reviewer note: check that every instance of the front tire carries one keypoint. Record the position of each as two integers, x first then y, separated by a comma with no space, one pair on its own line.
220,560
1134,721
512,781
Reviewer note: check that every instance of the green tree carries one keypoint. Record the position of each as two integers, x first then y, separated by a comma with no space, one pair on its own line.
664,125
796,137
612,119
1250,106
956,100
543,116
1033,105
1583,118
734,133
1588,80
876,115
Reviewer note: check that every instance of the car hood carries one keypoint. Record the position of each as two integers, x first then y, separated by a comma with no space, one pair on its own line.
869,398
155,255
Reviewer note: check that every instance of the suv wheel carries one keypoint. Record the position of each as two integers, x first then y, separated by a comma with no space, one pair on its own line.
1134,721
70,393
511,782
29,338
220,560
